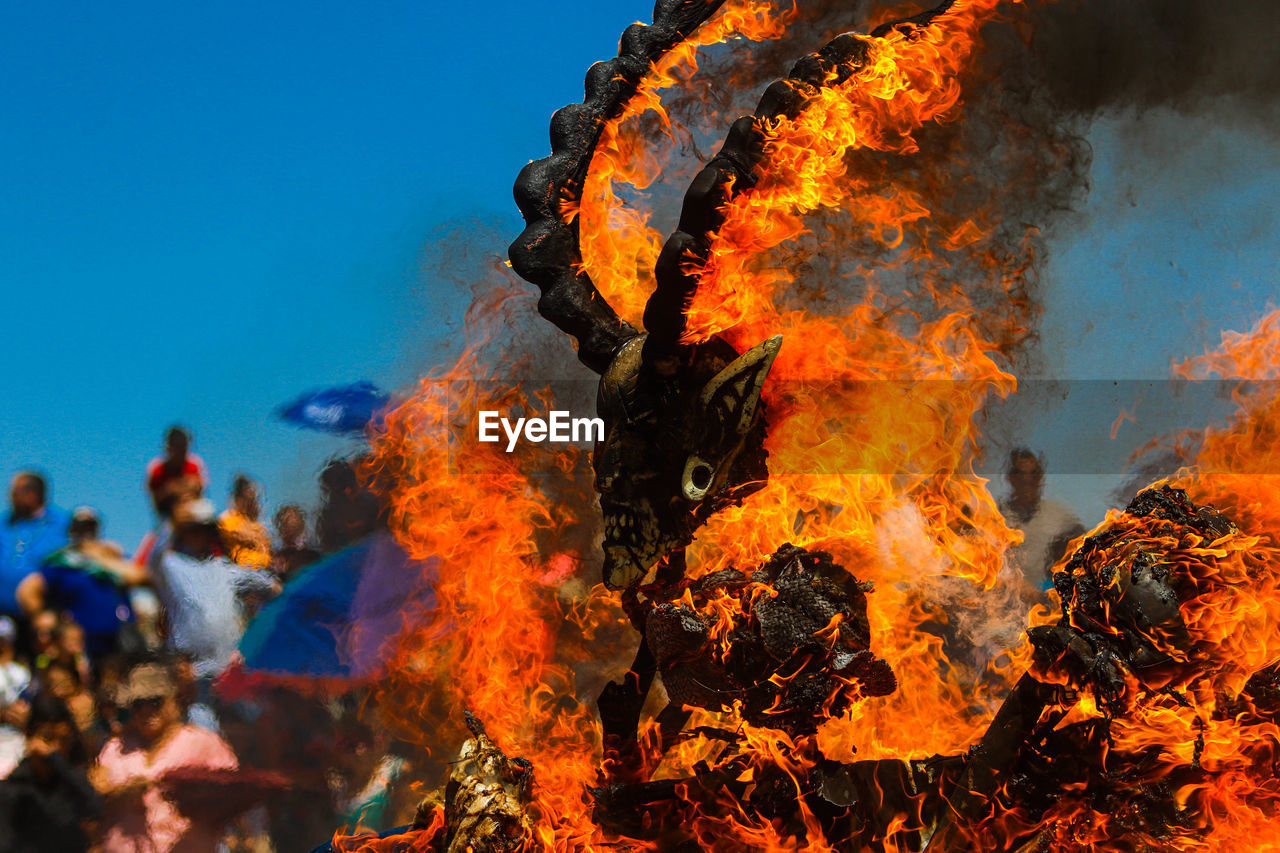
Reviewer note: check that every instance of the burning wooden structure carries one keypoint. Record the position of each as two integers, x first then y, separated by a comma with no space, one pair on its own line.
769,548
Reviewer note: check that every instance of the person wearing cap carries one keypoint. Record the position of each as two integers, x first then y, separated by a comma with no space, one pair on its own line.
31,531
135,771
88,579
201,592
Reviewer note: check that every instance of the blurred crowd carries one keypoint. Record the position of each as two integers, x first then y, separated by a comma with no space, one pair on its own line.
114,734
119,732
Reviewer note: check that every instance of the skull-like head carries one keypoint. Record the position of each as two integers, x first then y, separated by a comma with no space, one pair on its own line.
683,438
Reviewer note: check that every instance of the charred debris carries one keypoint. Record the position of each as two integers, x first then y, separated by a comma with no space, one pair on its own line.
796,652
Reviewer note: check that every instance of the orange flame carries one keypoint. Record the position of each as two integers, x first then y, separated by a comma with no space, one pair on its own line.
619,247
491,644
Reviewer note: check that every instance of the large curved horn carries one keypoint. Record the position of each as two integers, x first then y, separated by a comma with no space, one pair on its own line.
547,252
732,170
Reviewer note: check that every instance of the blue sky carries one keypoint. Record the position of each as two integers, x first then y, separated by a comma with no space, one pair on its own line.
206,209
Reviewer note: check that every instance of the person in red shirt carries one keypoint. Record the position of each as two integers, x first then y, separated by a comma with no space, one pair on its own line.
176,476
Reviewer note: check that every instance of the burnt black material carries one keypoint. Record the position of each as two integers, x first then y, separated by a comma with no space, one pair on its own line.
1121,637
547,252
789,657
733,169
1120,617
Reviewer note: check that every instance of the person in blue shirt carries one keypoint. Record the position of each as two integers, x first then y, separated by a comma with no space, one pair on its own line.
32,531
88,579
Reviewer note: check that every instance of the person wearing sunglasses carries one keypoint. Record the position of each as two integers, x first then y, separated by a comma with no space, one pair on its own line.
135,771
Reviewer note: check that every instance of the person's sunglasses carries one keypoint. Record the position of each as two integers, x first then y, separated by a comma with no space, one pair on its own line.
146,706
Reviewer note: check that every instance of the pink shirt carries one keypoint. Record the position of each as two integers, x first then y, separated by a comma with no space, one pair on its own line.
156,826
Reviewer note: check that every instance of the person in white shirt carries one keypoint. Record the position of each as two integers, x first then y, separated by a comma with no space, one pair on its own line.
201,593
1047,526
14,678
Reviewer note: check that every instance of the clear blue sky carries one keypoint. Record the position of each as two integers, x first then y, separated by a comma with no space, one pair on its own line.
206,209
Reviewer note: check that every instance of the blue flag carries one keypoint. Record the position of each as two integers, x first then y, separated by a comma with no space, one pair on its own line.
340,409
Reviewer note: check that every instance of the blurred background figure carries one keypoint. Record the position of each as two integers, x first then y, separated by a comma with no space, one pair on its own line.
139,776
1047,526
177,475
46,804
349,511
203,593
14,678
294,551
107,718
245,538
369,779
32,531
89,580
45,639
64,682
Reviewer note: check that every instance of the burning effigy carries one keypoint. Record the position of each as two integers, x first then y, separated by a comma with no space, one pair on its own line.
744,645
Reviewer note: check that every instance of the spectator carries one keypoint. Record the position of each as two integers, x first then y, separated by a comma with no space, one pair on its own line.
88,579
71,639
247,542
1047,526
201,593
172,478
295,551
177,475
106,718
46,801
46,639
133,771
58,640
350,511
14,678
33,530
63,681
366,786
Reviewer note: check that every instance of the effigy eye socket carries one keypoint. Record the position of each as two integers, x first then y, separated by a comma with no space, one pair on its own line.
697,479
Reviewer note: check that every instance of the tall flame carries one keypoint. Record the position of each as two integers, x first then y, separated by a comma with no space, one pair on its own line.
499,641
619,246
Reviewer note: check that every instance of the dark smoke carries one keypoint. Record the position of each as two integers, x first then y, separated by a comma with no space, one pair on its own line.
1187,55
1018,160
